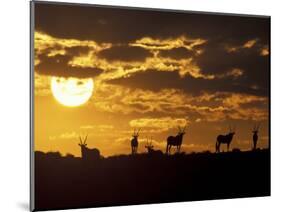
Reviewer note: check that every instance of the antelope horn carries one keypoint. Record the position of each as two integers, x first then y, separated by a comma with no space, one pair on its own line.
80,140
85,139
179,128
138,131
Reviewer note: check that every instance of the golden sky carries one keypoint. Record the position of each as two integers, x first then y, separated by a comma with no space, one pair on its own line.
151,70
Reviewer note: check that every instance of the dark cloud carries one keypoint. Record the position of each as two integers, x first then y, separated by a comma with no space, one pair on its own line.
177,53
58,66
124,53
77,50
255,104
156,80
124,25
216,60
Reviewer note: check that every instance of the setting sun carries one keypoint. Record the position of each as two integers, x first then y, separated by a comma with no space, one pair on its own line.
72,92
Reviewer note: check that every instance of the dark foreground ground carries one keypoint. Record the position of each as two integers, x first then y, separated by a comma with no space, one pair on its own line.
65,182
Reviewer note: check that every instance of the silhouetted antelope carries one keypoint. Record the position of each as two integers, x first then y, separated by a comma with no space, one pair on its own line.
255,136
87,153
150,147
175,140
225,139
134,142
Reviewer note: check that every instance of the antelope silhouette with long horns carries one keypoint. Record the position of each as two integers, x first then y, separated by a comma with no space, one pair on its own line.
150,148
255,136
86,153
175,140
134,142
225,139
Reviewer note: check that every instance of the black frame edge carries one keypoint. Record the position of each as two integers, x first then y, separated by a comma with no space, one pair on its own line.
31,98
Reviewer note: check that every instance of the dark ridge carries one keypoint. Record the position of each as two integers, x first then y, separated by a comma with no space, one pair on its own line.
72,182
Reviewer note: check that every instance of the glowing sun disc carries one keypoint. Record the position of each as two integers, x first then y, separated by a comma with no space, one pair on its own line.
72,92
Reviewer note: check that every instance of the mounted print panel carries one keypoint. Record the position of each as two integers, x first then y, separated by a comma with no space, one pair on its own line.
138,106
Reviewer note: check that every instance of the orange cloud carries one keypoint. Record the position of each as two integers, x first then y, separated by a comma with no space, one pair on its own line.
67,135
247,45
41,85
235,100
122,69
250,43
43,41
51,46
235,73
118,99
163,122
264,51
167,44
99,127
